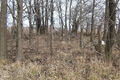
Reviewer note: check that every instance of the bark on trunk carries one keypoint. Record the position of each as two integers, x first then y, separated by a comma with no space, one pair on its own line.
19,54
99,38
3,30
92,22
111,30
81,33
106,21
46,18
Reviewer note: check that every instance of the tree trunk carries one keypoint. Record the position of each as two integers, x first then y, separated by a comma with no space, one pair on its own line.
81,33
51,26
70,20
92,22
43,24
60,16
66,20
106,21
30,24
87,29
118,36
19,54
99,38
52,12
111,30
37,16
46,18
13,28
3,30
51,42
75,27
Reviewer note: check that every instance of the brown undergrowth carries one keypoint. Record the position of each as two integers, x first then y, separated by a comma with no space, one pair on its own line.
68,62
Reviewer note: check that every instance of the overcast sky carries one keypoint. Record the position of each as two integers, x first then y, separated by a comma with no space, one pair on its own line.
56,18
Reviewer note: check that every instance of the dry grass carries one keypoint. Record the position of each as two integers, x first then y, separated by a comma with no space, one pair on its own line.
68,62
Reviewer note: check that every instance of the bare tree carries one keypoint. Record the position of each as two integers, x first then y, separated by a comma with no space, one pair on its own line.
87,28
99,37
37,15
51,26
59,7
75,20
70,20
92,22
46,17
13,26
66,19
19,54
3,30
118,36
51,6
106,21
111,29
81,25
43,23
30,20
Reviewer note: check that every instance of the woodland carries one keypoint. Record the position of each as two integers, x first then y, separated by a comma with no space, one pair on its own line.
59,40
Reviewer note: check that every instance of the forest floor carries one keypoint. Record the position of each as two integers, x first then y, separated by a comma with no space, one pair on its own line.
68,61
